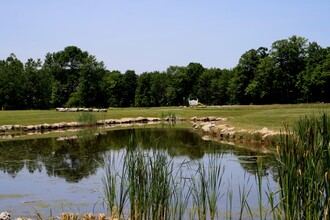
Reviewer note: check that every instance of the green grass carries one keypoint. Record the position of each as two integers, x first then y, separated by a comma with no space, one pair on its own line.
245,117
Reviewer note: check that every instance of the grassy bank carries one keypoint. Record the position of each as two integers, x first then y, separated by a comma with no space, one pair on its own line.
245,117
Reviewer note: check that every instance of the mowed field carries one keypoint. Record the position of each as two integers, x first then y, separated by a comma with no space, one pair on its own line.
251,117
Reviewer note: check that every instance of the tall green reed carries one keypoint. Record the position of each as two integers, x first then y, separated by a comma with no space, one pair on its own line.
115,186
206,187
144,183
181,194
147,185
304,164
87,118
244,193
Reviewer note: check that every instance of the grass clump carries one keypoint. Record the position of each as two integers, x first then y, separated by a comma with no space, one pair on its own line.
143,183
304,165
206,188
148,186
170,116
87,118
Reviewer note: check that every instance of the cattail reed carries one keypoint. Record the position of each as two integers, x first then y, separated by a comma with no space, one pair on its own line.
304,163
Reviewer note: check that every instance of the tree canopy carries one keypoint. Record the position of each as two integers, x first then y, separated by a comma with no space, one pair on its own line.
293,70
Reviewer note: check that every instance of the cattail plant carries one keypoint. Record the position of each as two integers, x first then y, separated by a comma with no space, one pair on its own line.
206,187
304,164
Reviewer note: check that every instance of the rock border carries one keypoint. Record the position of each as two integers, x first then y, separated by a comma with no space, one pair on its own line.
225,132
106,122
208,125
81,110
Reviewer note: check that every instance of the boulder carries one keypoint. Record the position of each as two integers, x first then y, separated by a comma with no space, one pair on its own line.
126,120
212,118
58,125
4,216
60,109
100,122
153,119
45,126
220,119
17,127
203,119
141,119
196,126
8,127
207,128
30,127
109,121
73,124
193,119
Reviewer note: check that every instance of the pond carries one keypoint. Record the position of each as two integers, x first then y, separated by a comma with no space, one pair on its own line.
54,175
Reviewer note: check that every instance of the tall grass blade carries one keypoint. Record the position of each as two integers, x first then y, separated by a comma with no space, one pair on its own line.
304,164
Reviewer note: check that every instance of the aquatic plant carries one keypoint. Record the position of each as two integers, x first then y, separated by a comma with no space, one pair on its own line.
206,186
147,185
115,186
169,116
150,185
304,163
87,118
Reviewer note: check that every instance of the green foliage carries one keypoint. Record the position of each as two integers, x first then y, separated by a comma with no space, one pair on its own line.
244,74
89,90
12,79
304,178
87,118
169,116
291,71
143,93
130,84
65,66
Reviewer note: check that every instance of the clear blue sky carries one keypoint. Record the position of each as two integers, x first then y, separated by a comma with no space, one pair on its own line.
149,35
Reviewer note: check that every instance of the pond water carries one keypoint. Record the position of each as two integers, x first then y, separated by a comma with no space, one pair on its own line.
51,175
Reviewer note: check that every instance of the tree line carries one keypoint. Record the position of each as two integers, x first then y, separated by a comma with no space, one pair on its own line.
293,70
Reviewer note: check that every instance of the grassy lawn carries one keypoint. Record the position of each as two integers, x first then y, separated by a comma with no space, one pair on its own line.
245,117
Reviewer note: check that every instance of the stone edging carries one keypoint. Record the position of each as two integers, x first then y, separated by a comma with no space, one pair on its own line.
62,125
81,110
208,125
225,132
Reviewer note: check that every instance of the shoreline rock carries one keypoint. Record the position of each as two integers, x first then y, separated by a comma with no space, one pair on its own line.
211,125
224,132
4,216
60,125
11,131
81,110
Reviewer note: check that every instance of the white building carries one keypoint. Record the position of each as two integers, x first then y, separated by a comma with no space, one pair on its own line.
193,102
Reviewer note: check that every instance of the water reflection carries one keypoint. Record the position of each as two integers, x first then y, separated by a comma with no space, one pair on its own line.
76,158
64,174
